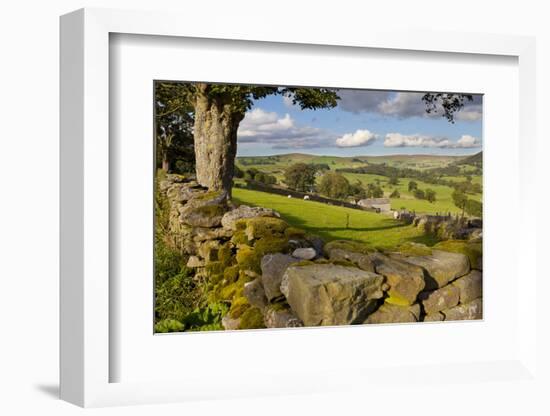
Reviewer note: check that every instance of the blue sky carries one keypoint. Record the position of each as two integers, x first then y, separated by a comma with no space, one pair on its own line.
365,122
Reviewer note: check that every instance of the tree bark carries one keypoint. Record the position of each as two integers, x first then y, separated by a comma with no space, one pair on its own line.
215,131
165,163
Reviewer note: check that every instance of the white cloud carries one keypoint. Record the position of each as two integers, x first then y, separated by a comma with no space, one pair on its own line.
467,141
259,126
417,140
359,138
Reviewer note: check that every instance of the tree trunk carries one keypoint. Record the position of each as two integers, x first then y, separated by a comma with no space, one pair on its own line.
215,131
165,163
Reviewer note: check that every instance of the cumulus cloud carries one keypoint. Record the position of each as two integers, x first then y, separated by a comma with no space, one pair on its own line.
359,138
417,140
259,126
467,141
401,104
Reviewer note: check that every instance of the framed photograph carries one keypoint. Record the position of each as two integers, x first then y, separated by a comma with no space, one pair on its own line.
293,209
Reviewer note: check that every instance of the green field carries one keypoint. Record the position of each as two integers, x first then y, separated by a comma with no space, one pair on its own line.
443,203
329,222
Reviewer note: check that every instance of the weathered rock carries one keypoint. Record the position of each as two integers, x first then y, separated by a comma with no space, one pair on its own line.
329,294
230,218
205,209
442,267
281,317
208,250
361,260
229,323
440,299
273,267
259,227
316,242
405,280
388,314
470,286
471,249
201,234
476,235
304,253
195,262
203,216
434,317
466,311
254,292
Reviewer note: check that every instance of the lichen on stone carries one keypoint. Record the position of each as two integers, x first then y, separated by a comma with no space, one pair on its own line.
346,245
414,249
473,250
252,318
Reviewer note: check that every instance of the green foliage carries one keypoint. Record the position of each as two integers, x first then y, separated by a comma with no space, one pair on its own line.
430,195
412,186
173,127
168,325
207,318
395,194
374,191
168,262
474,208
176,296
459,199
419,194
334,185
356,190
394,180
300,177
445,103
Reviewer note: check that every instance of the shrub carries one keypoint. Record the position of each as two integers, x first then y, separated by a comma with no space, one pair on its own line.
395,194
168,262
474,208
176,297
419,194
168,325
334,185
430,195
207,318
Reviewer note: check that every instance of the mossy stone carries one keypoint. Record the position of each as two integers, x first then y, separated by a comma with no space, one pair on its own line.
238,306
252,318
346,245
259,227
473,250
414,249
293,233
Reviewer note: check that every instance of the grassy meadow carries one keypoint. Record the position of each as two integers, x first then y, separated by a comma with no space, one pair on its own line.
276,165
329,221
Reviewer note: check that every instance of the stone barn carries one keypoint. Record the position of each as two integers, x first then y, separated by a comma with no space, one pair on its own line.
381,204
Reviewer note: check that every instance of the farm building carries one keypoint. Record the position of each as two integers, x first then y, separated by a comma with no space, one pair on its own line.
382,204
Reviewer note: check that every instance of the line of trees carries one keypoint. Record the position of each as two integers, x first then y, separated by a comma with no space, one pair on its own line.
467,205
433,176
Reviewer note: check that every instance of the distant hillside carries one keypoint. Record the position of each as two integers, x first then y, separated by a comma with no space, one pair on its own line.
418,161
474,160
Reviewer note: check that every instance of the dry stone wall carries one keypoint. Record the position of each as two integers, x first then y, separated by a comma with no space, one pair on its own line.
274,275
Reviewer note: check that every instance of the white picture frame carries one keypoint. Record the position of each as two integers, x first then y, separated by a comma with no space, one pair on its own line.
85,220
